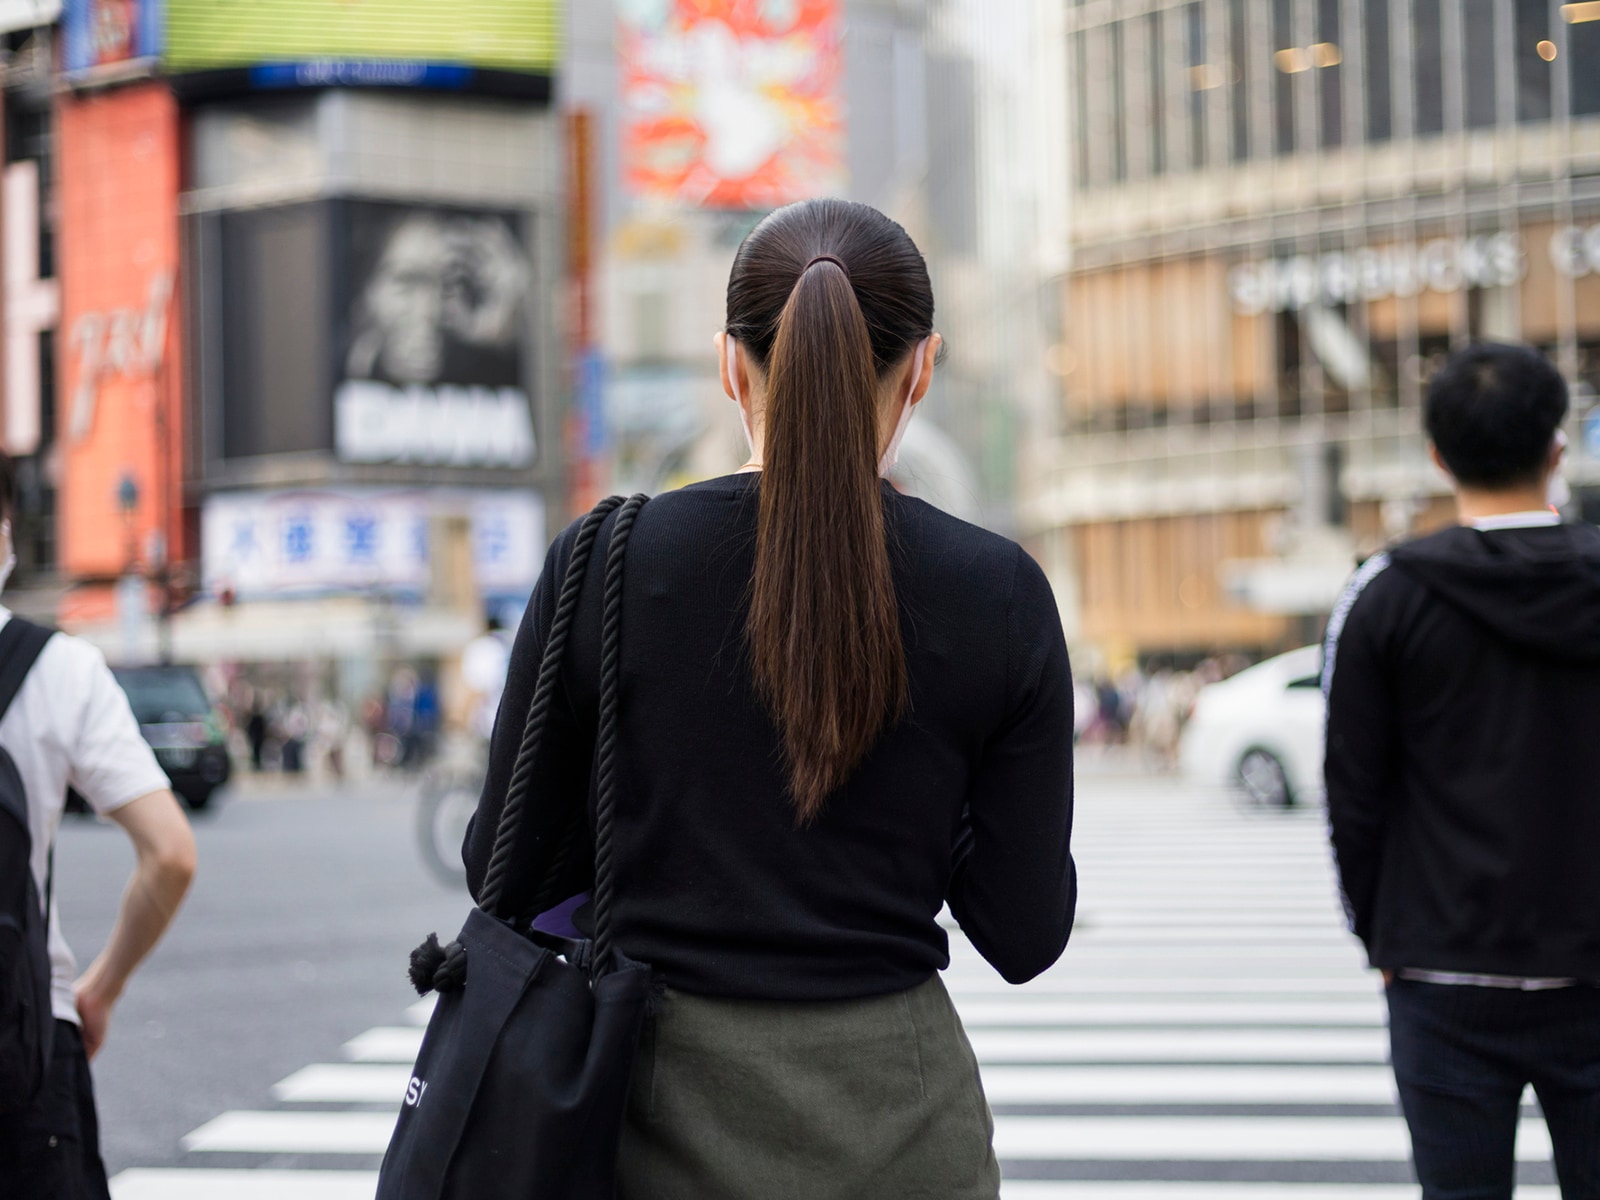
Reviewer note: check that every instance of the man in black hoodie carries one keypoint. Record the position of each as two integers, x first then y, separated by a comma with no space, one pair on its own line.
1462,673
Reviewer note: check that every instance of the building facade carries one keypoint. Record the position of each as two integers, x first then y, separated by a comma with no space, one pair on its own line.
283,359
1283,213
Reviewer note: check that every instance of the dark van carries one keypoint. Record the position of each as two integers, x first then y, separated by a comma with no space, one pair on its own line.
177,719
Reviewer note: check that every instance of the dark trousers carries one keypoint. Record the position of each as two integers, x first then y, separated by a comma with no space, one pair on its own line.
51,1150
1462,1057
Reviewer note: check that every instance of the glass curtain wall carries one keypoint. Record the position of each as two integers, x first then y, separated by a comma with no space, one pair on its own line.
1354,60
1341,309
1287,213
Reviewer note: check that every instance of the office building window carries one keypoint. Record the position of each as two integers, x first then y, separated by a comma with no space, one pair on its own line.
1481,63
1531,42
1427,43
1238,81
47,387
1291,364
1583,60
1380,110
1080,89
1288,60
1327,58
1156,66
1099,118
1119,104
38,492
1203,76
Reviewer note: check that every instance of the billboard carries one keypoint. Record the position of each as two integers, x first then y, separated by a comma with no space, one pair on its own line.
121,492
265,543
431,369
378,331
732,103
105,33
513,35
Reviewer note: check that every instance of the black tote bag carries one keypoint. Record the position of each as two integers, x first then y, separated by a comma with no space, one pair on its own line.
521,1082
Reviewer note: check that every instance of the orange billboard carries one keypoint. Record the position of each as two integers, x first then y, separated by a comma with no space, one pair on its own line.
732,103
121,491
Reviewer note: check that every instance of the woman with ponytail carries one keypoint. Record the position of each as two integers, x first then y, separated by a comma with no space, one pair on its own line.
841,711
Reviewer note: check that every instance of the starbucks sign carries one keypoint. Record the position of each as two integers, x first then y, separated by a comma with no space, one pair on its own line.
1376,273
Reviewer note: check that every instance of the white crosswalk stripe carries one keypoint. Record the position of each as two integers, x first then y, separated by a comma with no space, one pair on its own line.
345,1083
386,1043
1222,1139
1060,1012
1210,1034
294,1133
150,1183
1188,1085
1177,1045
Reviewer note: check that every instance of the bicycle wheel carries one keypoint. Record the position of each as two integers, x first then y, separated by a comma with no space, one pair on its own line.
444,808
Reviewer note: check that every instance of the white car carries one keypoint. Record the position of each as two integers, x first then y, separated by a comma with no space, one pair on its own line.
1261,731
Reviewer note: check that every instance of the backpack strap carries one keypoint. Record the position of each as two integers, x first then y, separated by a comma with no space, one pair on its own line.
20,645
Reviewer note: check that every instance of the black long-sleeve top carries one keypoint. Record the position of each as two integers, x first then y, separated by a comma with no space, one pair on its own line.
968,799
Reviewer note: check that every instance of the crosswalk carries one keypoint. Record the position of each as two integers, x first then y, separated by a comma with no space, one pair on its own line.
1210,1034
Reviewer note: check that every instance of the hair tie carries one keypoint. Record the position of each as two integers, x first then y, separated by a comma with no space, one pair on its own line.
838,262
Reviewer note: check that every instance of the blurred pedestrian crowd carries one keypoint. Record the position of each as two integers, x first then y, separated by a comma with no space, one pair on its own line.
297,728
295,720
1143,709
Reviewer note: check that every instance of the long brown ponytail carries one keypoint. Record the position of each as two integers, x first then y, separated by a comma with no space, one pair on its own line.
827,297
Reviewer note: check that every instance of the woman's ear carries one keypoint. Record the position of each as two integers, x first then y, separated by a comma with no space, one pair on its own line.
930,353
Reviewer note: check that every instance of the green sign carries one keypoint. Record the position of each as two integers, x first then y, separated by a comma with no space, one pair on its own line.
511,35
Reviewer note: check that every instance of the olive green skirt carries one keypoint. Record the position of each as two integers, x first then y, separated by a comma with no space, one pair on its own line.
765,1100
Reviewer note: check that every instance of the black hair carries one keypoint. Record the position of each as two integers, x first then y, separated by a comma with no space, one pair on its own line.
1493,411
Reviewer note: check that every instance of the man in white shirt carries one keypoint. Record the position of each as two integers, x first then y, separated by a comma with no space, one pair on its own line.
70,724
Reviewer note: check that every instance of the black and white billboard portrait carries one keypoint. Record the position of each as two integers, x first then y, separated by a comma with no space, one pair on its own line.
433,366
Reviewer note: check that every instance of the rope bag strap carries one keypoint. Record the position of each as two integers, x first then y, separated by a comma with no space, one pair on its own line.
510,826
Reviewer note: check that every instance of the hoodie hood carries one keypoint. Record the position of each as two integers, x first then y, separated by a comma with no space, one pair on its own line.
1536,588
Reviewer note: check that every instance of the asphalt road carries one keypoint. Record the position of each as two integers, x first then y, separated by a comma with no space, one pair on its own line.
294,939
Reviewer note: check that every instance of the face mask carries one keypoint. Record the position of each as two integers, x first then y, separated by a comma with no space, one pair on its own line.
738,400
891,456
10,563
